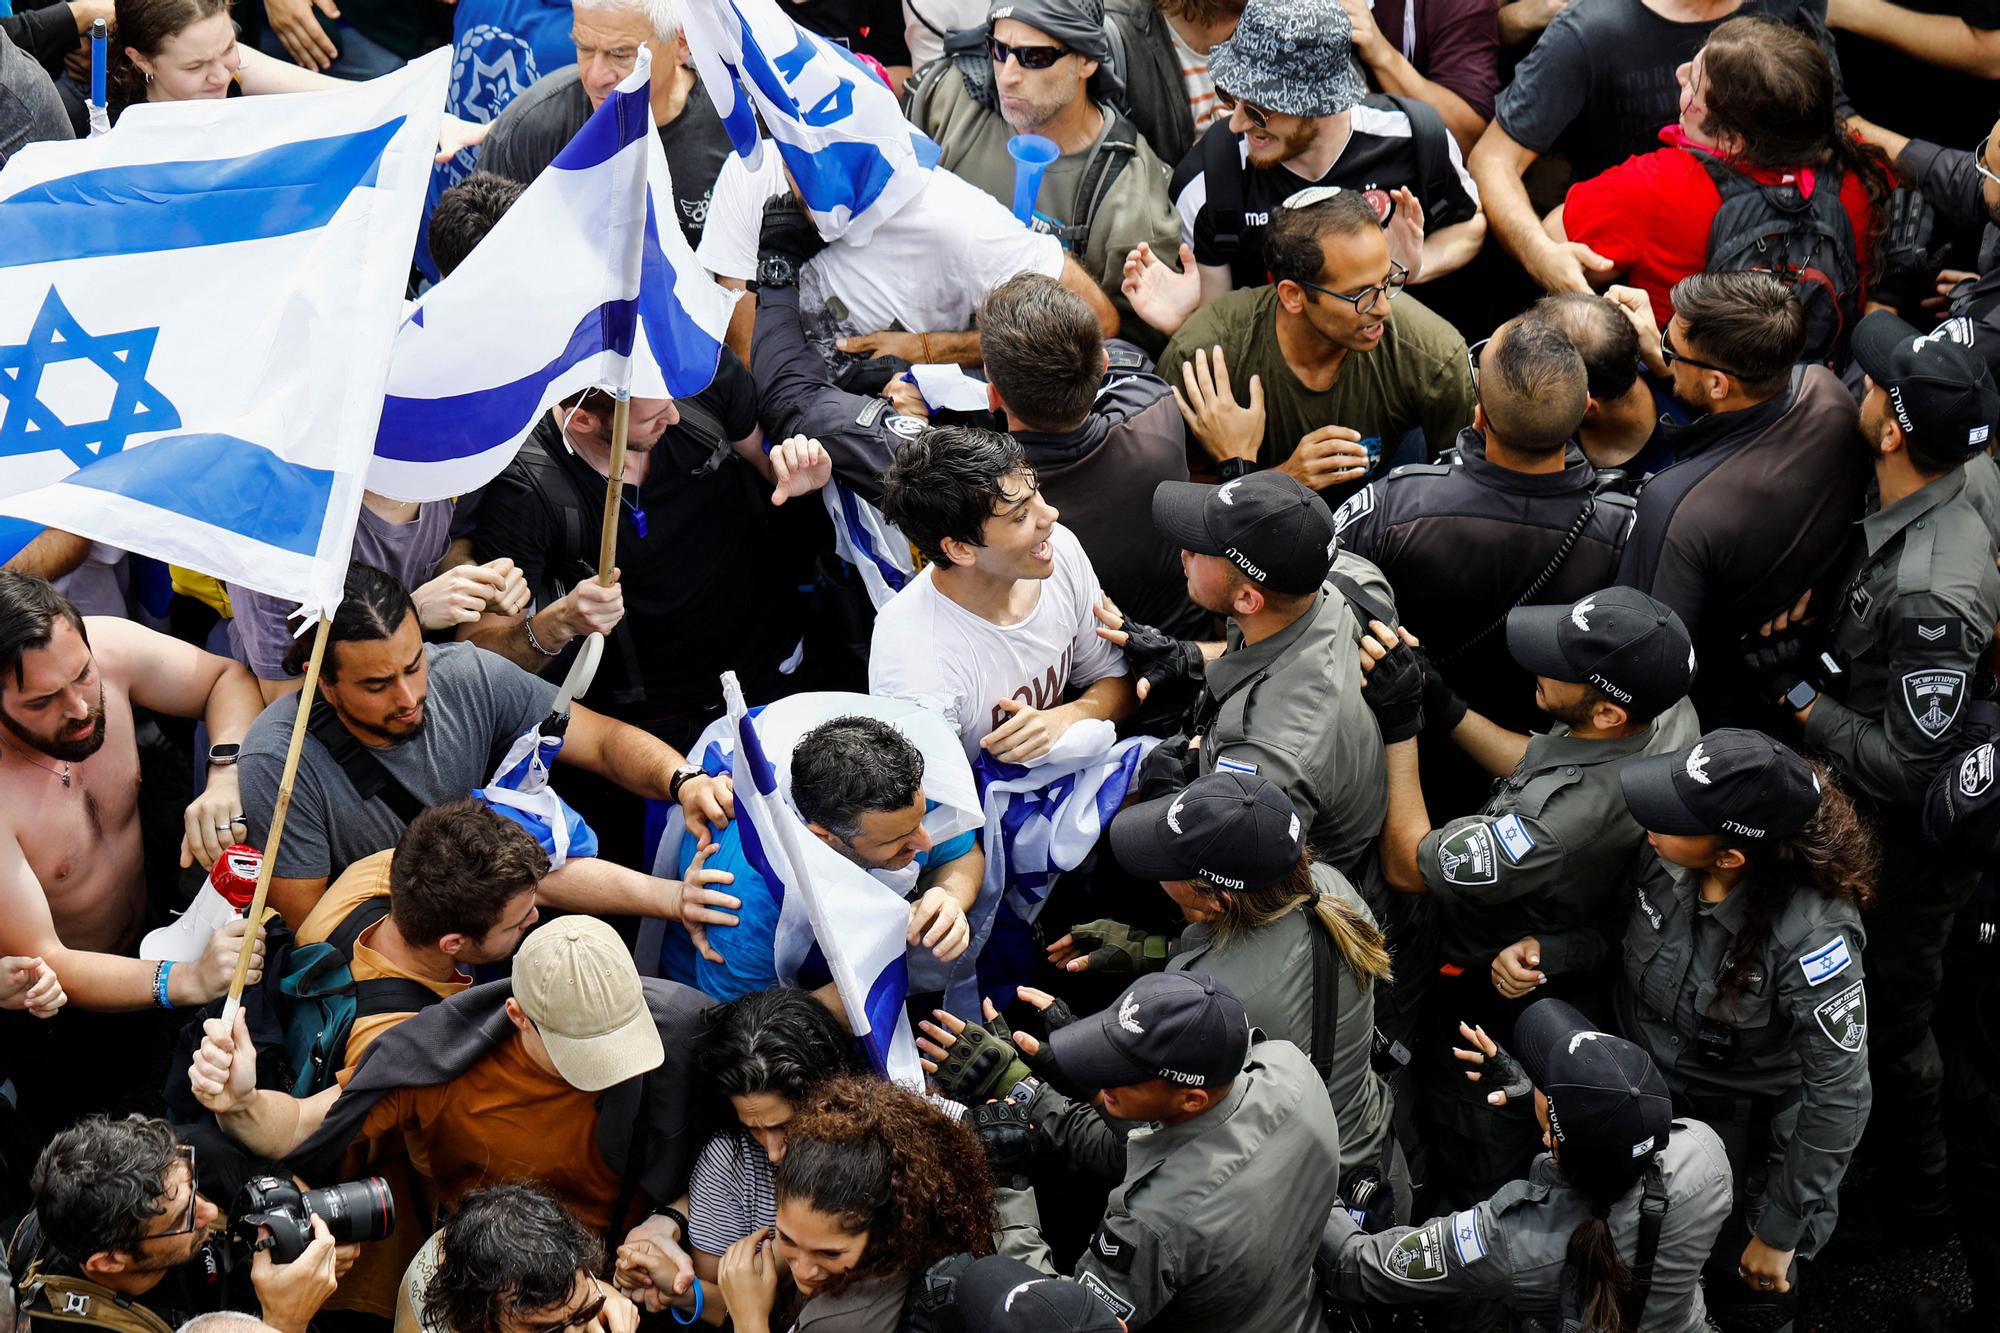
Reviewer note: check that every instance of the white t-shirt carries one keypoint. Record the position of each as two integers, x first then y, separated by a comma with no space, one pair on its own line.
945,16
926,268
930,650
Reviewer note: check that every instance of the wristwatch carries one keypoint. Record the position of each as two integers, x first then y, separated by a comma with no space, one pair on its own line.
222,756
680,777
1232,468
1801,695
776,270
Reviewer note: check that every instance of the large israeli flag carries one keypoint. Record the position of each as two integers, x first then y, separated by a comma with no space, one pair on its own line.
196,311
862,537
853,157
578,285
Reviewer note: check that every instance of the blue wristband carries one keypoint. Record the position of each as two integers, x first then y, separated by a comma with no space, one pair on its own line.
160,975
697,1307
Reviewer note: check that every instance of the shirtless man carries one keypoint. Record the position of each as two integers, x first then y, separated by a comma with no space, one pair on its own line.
72,874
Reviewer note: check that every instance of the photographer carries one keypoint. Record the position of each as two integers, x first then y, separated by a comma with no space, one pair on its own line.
120,1239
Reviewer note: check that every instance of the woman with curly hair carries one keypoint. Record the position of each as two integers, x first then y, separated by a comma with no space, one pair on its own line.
1742,979
876,1184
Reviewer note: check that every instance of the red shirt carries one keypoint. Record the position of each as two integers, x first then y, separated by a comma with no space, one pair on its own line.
1650,215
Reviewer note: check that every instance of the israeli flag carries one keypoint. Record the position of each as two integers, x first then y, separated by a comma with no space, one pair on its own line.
876,548
859,923
196,312
839,129
578,285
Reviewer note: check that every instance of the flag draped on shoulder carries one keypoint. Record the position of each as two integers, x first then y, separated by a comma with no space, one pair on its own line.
862,537
586,281
196,311
842,136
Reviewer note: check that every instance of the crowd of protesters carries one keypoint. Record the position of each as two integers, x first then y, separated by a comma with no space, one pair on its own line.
1526,468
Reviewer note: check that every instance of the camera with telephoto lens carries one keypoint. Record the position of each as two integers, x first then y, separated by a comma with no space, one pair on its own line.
358,1210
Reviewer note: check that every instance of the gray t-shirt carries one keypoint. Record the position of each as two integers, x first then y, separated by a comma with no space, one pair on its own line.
30,110
478,703
261,633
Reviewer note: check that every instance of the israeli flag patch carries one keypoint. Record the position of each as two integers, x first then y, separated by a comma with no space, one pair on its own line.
1826,962
1224,764
1515,841
1465,1237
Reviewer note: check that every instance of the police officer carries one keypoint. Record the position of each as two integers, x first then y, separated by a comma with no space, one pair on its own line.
1513,521
1282,696
1743,980
1519,890
1907,630
1617,1163
1228,1179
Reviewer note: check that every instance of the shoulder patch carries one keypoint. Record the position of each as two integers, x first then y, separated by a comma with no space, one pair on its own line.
1826,962
1843,1017
1361,503
1419,1256
1465,1237
1114,1252
871,412
1975,771
1515,840
1120,1307
1225,764
1932,631
1933,698
1466,856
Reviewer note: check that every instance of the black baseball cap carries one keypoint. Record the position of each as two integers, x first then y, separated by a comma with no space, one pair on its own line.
1621,641
1266,524
1939,388
1001,1295
1184,1027
1740,784
1608,1106
1231,830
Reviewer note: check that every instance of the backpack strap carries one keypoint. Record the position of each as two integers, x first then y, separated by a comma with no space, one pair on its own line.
1427,136
1326,993
1362,603
364,914
392,995
1652,1217
363,769
1115,151
1222,172
75,1301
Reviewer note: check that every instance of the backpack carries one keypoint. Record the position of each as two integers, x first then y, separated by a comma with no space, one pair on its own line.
1808,244
301,1013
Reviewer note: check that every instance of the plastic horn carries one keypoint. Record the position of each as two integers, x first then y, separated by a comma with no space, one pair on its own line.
1033,155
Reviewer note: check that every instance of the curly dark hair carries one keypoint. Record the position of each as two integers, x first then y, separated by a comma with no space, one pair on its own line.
1834,855
101,1182
885,1161
780,1041
507,1250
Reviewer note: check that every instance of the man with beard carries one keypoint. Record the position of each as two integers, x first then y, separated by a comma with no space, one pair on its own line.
1522,892
1045,71
73,885
1299,114
399,725
1908,630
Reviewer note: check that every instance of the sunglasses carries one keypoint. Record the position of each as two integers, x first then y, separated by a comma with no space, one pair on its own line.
1029,57
1259,117
583,1318
1670,355
1364,300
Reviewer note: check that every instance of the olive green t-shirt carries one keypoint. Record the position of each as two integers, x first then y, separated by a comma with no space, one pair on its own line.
1417,376
973,141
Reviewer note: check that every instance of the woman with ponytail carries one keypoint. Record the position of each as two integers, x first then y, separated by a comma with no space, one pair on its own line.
1742,977
1229,852
876,1185
1609,1231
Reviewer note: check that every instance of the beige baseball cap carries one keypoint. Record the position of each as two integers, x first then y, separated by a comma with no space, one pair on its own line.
576,982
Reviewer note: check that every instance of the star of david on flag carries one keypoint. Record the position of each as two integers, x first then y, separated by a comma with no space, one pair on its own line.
196,313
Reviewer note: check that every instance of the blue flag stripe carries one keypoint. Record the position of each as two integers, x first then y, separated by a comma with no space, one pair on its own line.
267,499
180,205
604,137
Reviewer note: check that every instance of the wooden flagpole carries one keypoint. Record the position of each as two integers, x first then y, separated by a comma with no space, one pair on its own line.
614,486
308,689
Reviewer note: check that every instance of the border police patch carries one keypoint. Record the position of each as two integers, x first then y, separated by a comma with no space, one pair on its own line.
1933,698
1844,1017
1121,1307
1419,1256
907,427
1975,771
1466,856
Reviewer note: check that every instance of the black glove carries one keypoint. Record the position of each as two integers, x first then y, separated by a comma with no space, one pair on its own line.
1166,769
1910,263
788,238
1777,663
1443,708
1503,1073
982,1063
1395,693
1008,1135
1174,667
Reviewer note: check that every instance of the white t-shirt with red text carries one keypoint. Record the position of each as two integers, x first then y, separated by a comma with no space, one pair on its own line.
932,651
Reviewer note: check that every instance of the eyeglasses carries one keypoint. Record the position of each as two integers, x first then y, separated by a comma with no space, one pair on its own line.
1979,159
1472,359
583,1318
1364,300
1259,117
184,1154
1030,57
1670,355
